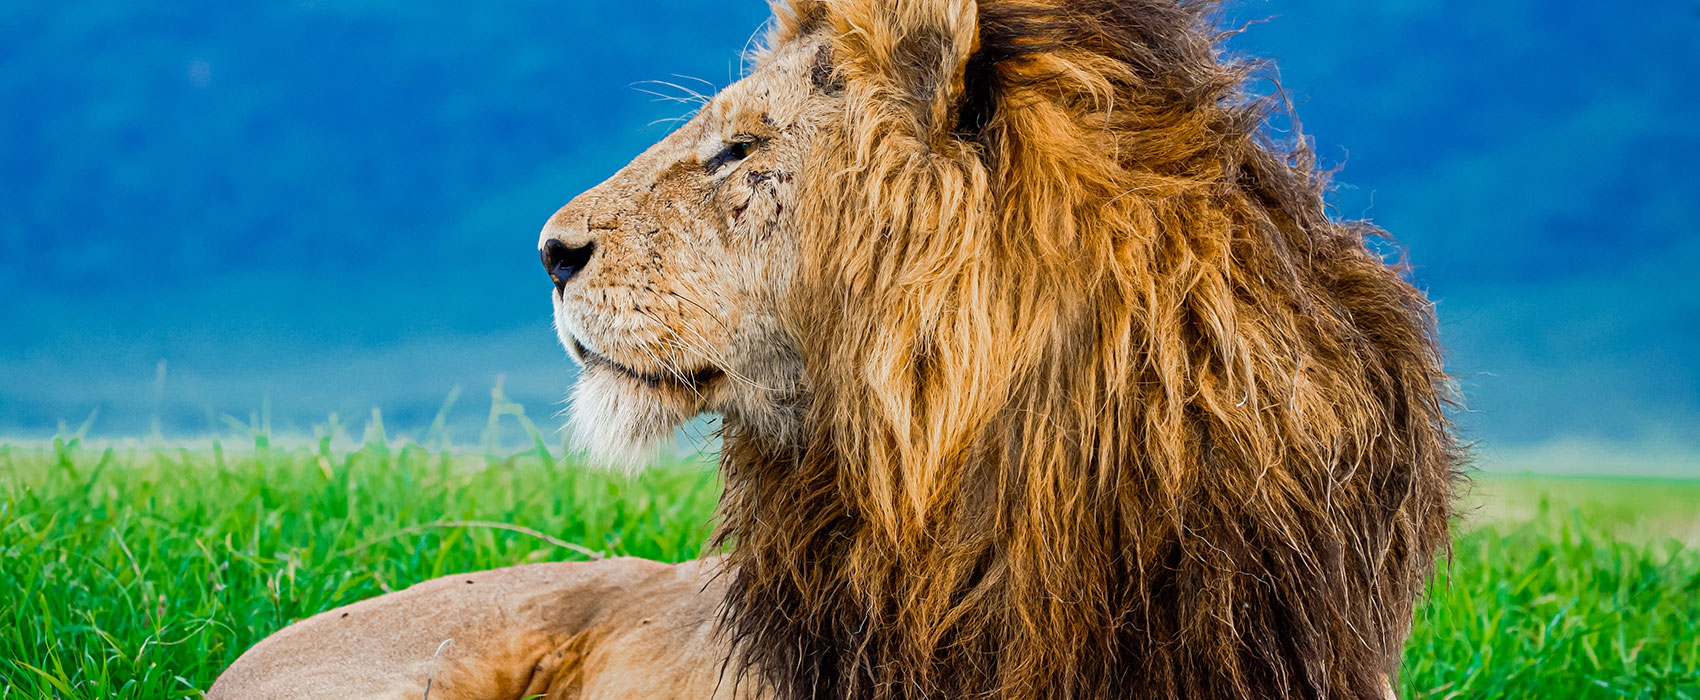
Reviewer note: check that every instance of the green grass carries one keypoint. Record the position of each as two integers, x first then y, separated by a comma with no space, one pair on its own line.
140,574
1566,588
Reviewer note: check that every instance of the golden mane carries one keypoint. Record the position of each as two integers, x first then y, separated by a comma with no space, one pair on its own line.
1100,401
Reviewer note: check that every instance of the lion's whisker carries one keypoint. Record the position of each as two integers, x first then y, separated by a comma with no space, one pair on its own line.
700,307
671,367
702,347
711,86
690,95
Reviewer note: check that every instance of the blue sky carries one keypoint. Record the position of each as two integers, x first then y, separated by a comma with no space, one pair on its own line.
328,206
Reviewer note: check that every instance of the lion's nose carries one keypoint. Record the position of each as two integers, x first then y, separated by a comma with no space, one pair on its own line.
564,262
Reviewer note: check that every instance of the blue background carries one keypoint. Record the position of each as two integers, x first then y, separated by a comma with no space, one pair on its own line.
331,205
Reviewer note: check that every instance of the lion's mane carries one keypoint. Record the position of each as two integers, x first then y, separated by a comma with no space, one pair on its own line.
1100,402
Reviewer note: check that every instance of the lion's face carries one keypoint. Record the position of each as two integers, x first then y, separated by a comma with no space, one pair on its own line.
669,276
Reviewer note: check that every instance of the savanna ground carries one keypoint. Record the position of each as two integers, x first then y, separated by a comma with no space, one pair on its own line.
141,572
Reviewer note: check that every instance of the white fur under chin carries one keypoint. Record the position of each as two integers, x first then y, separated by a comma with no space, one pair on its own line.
619,426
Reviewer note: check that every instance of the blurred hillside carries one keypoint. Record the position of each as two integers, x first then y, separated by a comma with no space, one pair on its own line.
329,205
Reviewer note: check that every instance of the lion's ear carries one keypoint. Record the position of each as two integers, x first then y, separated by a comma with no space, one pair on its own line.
913,54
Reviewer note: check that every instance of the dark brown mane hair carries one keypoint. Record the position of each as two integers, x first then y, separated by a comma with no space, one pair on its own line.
1100,402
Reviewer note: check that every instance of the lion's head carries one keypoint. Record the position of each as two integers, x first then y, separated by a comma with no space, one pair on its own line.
671,277
1045,372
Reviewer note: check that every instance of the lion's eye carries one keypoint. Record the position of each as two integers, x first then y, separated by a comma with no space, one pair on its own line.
737,150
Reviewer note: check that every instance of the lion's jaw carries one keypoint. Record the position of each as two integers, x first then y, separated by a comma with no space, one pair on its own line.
683,257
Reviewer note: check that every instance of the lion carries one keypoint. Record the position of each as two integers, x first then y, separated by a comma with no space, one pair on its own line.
1044,373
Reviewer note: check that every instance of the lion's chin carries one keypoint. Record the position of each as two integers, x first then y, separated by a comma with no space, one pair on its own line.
620,423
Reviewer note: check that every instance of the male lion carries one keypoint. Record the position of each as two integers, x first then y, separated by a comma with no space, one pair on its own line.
1045,374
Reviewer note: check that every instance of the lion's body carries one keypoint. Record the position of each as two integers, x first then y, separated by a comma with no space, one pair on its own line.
1045,372
609,630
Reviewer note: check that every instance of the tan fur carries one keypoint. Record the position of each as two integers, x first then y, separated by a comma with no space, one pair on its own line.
605,630
1045,372
1101,402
